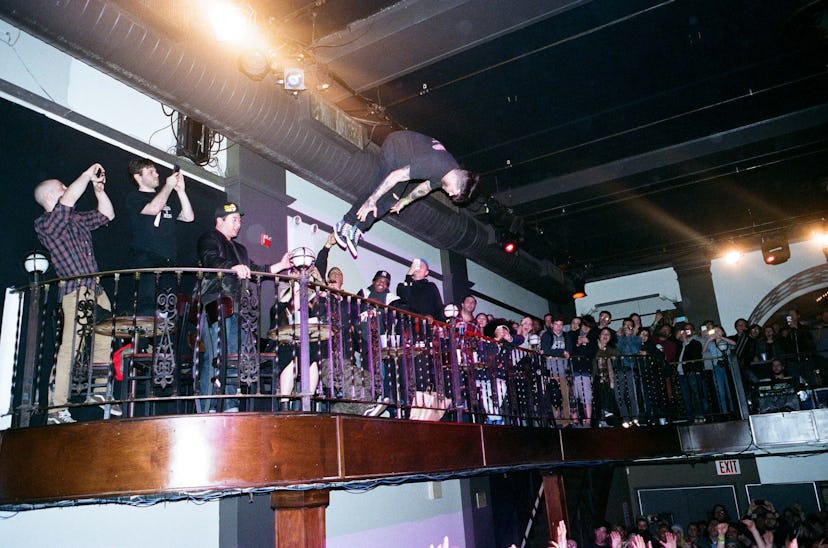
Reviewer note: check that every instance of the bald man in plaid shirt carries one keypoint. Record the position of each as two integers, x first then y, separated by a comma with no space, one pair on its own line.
66,233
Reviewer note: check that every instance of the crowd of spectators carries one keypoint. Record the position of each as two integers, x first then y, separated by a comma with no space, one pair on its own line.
762,526
604,374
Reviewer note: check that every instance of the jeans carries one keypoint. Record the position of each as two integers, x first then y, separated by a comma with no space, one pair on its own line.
209,374
691,391
722,385
625,393
147,305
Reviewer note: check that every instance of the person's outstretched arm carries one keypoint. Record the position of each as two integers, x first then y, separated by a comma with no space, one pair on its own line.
418,192
370,205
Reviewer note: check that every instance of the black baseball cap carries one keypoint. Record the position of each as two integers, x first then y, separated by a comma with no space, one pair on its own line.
227,209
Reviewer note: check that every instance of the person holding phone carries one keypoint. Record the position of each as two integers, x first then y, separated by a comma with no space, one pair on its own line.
690,373
717,350
153,218
67,235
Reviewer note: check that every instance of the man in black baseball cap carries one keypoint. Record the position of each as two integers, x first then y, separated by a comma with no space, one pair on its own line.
217,248
228,209
378,291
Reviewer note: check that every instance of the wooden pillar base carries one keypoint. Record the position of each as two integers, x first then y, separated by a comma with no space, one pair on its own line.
300,518
555,497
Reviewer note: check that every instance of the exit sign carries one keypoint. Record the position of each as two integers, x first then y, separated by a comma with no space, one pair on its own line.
728,467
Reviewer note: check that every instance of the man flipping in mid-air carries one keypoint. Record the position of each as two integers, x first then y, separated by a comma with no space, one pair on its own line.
405,156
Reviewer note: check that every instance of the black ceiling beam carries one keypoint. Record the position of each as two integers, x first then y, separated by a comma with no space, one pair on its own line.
667,156
422,32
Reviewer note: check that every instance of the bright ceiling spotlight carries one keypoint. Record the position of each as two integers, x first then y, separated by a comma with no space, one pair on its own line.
230,21
732,256
820,236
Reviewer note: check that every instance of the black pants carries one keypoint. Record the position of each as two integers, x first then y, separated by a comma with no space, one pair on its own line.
147,283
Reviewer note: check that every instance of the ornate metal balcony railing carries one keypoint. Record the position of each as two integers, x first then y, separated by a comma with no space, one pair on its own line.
206,346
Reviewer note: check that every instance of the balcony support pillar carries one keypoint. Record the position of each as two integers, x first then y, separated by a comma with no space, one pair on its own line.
299,518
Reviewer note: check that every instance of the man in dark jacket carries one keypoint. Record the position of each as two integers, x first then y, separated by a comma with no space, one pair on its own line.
690,366
421,296
218,249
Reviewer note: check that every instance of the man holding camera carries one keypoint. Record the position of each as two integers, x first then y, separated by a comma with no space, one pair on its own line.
67,235
153,221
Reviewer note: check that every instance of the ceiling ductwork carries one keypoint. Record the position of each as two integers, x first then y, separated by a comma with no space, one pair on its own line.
205,83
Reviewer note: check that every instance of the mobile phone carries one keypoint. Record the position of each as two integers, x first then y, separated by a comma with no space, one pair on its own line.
176,168
681,319
711,331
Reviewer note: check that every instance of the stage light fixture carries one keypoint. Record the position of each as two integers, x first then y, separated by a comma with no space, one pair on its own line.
255,64
775,249
580,291
294,79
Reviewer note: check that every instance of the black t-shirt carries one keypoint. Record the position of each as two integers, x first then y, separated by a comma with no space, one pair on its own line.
427,158
152,233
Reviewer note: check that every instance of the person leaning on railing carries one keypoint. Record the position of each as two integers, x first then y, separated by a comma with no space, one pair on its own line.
603,377
66,234
217,248
583,353
689,368
652,378
629,343
716,351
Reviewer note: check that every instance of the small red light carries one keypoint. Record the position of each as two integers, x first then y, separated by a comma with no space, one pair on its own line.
509,247
770,259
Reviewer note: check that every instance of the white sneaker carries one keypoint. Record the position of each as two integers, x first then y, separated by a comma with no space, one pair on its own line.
340,230
100,399
352,241
60,417
378,409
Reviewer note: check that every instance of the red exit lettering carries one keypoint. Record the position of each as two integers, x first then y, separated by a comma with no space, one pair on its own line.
728,467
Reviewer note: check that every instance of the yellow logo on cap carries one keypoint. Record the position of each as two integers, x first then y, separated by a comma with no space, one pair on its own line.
229,208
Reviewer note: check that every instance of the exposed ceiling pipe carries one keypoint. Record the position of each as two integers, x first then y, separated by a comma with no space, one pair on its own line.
206,84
